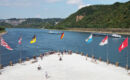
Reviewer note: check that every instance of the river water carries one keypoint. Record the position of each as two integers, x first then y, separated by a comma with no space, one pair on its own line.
74,41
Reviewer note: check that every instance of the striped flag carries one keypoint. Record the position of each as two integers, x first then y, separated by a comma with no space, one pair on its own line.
33,39
4,44
104,41
20,40
62,35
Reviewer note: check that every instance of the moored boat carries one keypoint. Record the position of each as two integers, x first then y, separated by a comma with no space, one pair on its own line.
116,35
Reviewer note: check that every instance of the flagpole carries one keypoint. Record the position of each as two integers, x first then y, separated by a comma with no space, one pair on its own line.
0,60
20,54
127,65
19,43
92,51
107,51
0,54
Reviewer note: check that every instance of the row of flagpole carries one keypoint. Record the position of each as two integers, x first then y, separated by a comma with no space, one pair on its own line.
105,41
88,40
4,44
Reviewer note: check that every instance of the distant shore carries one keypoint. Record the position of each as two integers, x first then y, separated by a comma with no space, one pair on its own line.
124,31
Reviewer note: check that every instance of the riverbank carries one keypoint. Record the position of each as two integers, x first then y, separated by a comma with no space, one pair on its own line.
2,33
69,67
125,31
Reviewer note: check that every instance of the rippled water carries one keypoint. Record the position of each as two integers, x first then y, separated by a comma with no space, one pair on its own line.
74,41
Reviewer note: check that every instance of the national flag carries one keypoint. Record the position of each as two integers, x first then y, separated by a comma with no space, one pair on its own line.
89,39
123,45
33,39
62,35
104,41
3,43
20,40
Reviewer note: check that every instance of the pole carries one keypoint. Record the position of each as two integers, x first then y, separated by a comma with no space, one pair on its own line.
92,51
20,53
20,60
0,56
0,61
107,53
127,65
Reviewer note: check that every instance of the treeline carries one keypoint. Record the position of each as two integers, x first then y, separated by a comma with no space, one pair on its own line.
30,23
100,16
2,24
39,23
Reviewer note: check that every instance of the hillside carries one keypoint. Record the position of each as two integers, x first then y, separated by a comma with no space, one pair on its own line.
29,23
99,16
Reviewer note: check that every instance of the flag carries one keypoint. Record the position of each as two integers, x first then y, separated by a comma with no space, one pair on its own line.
89,39
123,45
104,41
33,39
4,44
20,40
62,35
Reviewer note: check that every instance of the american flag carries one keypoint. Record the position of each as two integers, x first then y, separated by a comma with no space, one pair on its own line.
3,43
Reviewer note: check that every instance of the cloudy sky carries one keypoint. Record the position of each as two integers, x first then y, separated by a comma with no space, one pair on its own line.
45,8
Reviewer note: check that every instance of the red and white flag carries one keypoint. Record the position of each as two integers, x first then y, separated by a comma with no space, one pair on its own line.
20,40
104,41
123,45
3,43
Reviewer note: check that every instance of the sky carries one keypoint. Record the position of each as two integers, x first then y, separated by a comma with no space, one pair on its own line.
45,8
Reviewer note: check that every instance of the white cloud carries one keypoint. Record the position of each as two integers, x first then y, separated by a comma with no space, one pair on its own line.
83,5
75,2
79,3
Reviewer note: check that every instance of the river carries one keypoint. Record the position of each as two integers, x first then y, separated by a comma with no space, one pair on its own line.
74,41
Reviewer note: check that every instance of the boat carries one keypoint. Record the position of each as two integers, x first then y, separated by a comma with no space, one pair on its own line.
50,32
116,35
53,32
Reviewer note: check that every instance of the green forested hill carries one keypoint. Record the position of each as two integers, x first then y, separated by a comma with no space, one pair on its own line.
100,16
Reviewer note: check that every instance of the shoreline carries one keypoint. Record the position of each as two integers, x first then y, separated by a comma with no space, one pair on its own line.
3,32
101,30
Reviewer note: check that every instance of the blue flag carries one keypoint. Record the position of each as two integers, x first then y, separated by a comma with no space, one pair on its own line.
89,39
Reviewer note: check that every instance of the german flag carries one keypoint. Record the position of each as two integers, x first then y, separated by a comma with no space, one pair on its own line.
62,35
33,39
